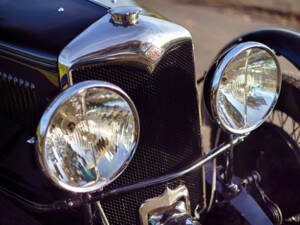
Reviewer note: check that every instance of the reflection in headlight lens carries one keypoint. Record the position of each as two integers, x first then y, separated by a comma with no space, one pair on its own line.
90,139
248,90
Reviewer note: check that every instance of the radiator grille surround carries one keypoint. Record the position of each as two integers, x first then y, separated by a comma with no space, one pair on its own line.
166,101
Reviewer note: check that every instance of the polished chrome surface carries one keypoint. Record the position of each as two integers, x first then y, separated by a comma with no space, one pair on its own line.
104,41
87,136
214,173
245,87
43,63
196,164
31,141
125,16
102,215
293,219
154,209
44,60
114,3
78,200
175,215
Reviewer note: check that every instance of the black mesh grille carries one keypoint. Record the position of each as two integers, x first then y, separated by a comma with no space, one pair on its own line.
166,101
19,100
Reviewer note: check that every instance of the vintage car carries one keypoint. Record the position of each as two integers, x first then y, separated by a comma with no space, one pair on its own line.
101,120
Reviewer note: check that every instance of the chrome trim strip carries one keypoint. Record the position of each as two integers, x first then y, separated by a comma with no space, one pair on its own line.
50,75
110,4
143,44
46,61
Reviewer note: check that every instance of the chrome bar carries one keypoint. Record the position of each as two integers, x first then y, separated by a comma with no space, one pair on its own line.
94,197
194,165
102,214
214,173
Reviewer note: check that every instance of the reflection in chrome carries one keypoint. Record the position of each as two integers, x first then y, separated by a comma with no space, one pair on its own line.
110,4
287,123
293,219
89,137
125,15
247,87
104,41
31,141
153,210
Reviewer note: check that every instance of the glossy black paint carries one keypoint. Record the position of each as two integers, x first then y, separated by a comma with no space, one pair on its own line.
20,174
22,181
36,59
21,26
45,26
32,34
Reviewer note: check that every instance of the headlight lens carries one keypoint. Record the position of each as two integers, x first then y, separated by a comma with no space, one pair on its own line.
246,87
87,136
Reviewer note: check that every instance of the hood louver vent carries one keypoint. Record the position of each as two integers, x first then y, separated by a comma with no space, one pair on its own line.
18,99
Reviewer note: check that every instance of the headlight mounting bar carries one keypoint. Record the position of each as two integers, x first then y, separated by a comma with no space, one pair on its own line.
97,196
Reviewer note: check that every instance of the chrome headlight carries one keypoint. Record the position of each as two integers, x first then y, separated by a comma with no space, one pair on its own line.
87,136
245,87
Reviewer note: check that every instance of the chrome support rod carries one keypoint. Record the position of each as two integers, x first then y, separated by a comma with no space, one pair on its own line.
94,197
214,172
195,165
228,173
102,214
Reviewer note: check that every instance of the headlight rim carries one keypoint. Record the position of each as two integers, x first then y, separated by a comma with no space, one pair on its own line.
50,112
220,69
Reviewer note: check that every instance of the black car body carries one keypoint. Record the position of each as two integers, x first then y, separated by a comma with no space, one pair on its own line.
46,47
38,40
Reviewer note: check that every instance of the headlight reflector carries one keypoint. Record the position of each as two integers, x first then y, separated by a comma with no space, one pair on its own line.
245,87
87,136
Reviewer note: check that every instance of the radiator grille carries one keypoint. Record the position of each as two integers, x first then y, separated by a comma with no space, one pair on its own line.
166,101
19,100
